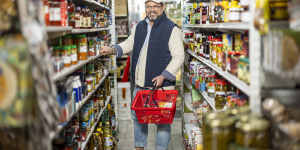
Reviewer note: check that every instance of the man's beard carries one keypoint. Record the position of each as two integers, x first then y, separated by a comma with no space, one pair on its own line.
151,18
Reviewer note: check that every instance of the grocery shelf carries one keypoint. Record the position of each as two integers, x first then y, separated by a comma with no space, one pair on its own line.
58,29
89,30
95,124
60,75
228,26
208,99
96,4
229,77
59,128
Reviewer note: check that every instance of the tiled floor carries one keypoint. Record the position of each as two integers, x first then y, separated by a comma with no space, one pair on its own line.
126,139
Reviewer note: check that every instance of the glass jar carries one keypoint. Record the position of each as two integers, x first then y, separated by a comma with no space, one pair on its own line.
235,11
89,82
71,13
77,18
74,54
58,13
67,40
279,10
253,133
220,99
211,85
220,55
66,56
91,43
221,134
82,47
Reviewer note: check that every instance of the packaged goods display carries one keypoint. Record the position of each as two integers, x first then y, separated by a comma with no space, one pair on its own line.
207,81
68,13
90,130
219,11
229,52
73,49
78,87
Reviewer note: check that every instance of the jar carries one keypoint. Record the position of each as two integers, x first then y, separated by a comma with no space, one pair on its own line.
220,99
89,82
66,56
253,133
225,4
221,134
235,11
82,47
91,43
74,54
211,85
207,130
77,18
220,55
279,10
58,12
67,40
71,13
234,60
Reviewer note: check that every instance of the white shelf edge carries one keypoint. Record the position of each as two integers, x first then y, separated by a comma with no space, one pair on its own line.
57,29
229,77
52,134
209,100
95,124
89,30
67,71
98,4
233,26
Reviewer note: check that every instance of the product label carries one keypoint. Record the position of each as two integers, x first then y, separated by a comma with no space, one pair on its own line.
234,16
220,93
67,60
214,55
83,49
74,57
108,142
89,87
55,14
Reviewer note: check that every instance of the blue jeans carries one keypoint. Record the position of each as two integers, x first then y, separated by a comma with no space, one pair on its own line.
141,131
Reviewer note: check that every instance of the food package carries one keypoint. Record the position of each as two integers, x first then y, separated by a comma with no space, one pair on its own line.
16,83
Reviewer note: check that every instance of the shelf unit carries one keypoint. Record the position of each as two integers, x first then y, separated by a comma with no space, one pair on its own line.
95,124
221,26
89,30
92,2
62,74
229,77
254,89
52,134
58,29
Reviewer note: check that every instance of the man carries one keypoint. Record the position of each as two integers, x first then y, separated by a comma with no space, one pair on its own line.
157,54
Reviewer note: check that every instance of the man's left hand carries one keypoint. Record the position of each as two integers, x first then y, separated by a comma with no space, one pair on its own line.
158,80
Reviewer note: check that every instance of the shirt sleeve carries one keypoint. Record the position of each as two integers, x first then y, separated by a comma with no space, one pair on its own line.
177,53
126,46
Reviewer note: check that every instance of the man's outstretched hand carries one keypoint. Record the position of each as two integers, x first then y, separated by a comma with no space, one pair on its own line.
105,50
158,81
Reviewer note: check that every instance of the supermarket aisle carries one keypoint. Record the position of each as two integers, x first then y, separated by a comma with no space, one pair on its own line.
126,141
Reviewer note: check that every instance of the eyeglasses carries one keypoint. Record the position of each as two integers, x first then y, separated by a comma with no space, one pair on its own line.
153,7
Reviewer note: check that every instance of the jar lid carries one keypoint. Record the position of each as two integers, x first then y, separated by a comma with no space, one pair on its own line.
74,46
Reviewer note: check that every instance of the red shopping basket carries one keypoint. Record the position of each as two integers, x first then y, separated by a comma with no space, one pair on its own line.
155,106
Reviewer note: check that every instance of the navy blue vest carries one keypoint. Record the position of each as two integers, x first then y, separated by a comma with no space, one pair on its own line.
158,55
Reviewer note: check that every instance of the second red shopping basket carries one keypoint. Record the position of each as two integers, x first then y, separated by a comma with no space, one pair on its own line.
155,106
